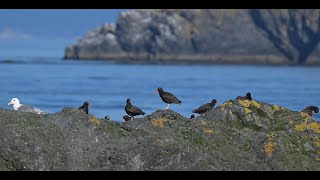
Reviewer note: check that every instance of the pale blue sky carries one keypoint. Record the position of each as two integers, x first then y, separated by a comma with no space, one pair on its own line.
42,33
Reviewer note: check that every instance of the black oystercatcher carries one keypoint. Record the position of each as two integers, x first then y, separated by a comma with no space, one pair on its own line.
309,110
246,97
85,107
126,118
167,97
192,116
206,107
133,110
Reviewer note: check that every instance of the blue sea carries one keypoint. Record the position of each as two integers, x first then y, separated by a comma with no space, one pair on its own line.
52,84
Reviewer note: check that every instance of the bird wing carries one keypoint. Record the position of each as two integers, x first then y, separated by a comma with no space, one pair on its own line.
26,108
170,97
137,110
203,107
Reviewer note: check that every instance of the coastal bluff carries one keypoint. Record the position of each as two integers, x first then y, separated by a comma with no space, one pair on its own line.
237,135
219,36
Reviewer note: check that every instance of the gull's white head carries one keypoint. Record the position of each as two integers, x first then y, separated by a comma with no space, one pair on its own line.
15,102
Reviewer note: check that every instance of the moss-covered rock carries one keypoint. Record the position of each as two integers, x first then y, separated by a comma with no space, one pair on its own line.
238,135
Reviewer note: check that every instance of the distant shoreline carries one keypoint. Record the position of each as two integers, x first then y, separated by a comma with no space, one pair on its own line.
261,60
231,62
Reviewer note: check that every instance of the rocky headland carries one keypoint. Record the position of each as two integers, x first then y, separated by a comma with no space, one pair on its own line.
220,36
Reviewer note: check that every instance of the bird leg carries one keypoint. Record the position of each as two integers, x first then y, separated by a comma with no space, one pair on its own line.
167,107
132,117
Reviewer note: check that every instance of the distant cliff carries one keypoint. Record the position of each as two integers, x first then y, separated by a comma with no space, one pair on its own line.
238,135
218,36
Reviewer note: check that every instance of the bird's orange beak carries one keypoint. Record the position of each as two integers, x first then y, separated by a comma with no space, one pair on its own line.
218,103
155,91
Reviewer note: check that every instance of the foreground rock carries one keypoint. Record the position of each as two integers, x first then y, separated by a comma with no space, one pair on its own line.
277,36
237,135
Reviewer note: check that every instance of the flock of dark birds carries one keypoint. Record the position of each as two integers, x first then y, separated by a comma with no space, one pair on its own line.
133,111
169,98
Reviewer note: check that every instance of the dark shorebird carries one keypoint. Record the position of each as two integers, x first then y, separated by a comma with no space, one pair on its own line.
309,110
192,116
167,97
206,107
126,118
85,107
132,110
246,97
107,118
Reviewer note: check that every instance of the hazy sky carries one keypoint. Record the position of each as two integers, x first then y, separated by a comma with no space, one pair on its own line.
47,32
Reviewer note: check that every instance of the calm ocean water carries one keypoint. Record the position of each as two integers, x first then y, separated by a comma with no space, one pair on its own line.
52,84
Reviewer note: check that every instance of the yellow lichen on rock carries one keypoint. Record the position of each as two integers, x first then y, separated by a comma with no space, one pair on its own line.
247,111
208,130
278,108
158,122
269,148
244,103
270,145
314,126
224,105
94,120
300,127
275,107
256,104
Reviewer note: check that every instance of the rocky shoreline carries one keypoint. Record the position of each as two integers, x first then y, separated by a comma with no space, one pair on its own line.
201,60
237,135
275,37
